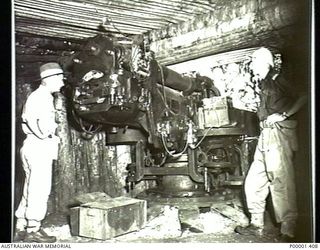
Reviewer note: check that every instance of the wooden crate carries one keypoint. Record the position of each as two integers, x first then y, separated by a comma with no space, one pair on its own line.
215,112
109,218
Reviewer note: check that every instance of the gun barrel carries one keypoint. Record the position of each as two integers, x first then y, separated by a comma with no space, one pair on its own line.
176,81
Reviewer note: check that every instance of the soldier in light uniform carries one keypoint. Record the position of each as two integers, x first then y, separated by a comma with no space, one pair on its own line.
272,170
39,150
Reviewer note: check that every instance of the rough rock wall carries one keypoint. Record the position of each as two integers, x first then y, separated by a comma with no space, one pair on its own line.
85,166
230,74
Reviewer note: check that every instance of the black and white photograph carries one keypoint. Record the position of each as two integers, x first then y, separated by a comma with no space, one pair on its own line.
162,121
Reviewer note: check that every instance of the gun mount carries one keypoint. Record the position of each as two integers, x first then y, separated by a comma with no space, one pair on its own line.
182,133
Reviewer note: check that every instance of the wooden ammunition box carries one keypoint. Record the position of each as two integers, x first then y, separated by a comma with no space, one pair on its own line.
215,112
108,218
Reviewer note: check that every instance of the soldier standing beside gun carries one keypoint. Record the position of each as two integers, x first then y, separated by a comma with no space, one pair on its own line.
39,150
272,170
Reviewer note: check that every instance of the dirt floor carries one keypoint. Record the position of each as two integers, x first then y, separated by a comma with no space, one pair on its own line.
169,224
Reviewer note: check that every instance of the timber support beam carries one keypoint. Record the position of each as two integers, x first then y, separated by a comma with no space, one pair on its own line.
233,25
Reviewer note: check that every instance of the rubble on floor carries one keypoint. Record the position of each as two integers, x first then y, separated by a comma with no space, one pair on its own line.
169,224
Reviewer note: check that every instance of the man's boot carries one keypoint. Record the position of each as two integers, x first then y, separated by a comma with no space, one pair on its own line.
288,229
39,236
251,229
19,235
254,228
20,230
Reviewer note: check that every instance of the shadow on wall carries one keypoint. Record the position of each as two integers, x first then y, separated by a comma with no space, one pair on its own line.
299,60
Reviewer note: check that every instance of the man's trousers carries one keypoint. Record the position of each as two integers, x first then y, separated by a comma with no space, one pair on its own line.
272,171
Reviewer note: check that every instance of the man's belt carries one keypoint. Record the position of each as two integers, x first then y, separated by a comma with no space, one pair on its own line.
290,124
263,124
